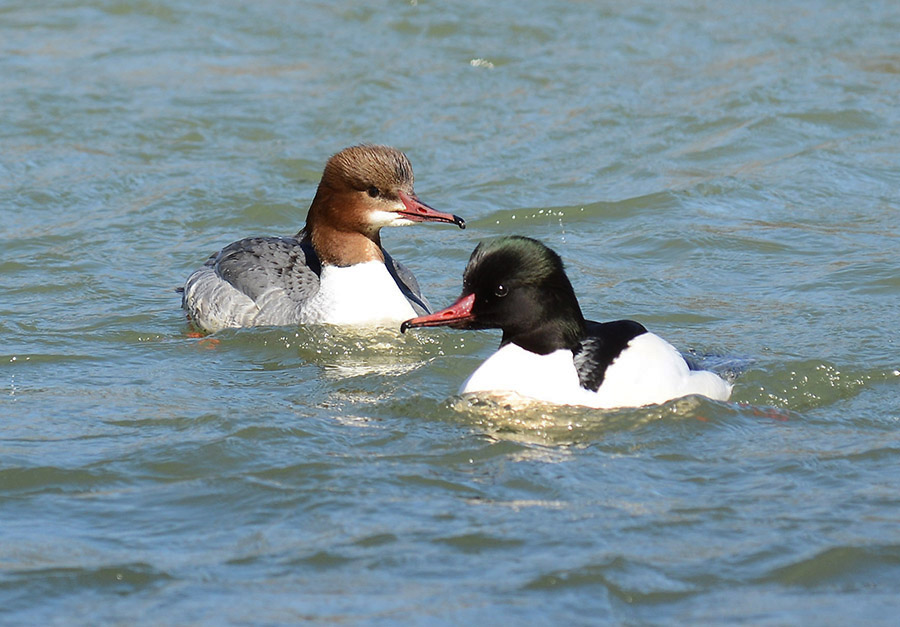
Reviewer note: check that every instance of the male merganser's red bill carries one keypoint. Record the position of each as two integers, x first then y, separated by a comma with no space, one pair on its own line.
456,316
335,269
549,352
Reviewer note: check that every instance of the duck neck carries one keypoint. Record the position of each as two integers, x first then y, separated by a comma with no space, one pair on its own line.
553,335
343,248
338,242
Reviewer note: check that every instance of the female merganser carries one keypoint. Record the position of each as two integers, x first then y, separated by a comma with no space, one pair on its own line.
335,269
549,352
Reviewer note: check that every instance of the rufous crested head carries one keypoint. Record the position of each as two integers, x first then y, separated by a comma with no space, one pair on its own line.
364,188
360,167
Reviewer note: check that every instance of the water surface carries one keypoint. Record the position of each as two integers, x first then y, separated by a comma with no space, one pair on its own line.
727,176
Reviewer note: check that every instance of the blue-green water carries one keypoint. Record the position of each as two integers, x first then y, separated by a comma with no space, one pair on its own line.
728,175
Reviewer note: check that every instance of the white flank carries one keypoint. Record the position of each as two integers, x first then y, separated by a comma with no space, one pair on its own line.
649,371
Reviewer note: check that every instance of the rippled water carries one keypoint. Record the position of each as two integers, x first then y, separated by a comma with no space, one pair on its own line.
728,175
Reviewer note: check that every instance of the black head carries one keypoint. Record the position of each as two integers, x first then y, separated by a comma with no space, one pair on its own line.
518,285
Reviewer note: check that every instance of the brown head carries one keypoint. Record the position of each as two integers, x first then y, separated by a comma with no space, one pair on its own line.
364,188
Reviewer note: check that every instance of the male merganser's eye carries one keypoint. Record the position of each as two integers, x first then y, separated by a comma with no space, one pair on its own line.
373,191
501,291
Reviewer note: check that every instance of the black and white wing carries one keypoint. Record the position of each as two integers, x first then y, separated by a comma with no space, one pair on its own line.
604,342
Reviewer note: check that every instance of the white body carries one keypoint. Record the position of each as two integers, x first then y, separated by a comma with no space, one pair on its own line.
361,294
648,371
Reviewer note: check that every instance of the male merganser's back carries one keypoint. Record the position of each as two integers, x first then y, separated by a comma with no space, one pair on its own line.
335,269
549,352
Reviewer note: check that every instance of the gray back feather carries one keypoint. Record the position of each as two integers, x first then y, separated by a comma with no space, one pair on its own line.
256,265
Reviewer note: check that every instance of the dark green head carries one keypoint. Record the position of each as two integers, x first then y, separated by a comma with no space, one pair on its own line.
518,285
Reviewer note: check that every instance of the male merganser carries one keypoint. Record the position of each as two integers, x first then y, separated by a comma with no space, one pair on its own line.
549,352
335,269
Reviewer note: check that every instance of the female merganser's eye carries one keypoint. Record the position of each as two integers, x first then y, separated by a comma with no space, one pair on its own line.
373,191
501,291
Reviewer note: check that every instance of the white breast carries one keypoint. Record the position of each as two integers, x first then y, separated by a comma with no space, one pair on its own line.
550,378
363,293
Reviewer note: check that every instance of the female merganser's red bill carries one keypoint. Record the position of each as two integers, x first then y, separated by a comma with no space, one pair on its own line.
334,270
549,352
